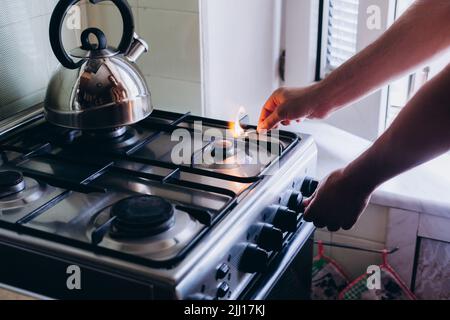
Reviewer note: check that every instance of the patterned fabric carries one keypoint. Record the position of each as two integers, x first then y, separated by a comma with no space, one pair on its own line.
392,287
328,279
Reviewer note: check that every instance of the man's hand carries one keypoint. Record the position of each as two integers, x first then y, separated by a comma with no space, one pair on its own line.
287,104
337,203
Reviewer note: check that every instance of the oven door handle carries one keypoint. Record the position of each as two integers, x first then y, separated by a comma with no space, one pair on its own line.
262,285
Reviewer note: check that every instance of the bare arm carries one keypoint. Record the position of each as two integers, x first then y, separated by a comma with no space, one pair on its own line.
419,35
419,133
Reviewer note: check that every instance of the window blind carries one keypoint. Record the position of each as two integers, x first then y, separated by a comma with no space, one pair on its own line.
342,32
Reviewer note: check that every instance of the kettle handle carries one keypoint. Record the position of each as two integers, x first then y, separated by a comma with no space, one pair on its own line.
56,25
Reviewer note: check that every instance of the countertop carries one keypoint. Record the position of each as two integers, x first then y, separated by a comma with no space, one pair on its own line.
425,189
11,294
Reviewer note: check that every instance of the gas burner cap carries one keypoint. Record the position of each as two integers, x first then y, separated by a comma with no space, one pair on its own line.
11,182
141,216
107,133
223,149
111,139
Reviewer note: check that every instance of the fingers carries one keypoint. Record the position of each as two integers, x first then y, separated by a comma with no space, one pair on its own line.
316,216
347,226
270,122
333,228
308,217
322,218
267,110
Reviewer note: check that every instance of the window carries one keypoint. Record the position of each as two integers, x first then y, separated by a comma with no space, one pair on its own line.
403,89
341,27
344,30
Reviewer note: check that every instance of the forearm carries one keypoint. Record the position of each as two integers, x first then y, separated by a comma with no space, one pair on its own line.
420,133
420,34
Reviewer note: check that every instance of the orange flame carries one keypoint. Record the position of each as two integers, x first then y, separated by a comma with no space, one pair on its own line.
235,127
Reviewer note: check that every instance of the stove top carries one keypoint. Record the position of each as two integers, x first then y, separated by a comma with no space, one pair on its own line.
124,192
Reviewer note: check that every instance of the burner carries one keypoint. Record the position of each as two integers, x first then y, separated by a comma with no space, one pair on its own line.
107,134
223,149
116,138
11,182
142,216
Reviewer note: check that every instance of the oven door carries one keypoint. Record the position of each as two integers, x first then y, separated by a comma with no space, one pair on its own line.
288,276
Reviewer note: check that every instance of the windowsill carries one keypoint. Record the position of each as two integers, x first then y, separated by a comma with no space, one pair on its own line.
423,189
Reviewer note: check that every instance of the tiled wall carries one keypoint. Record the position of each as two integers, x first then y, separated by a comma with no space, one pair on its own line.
369,232
172,67
26,59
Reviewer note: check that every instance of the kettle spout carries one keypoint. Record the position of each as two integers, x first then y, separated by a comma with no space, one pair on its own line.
137,48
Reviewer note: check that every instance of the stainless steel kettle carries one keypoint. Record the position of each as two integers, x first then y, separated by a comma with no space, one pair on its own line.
104,88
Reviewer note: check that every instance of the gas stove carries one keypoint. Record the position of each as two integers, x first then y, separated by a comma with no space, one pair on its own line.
119,208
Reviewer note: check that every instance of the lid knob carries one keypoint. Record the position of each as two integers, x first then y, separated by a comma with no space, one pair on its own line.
101,38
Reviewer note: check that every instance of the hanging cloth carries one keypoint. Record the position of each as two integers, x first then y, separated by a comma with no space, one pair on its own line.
328,279
391,287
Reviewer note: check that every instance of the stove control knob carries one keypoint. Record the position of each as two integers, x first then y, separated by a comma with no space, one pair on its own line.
222,271
270,238
254,259
308,187
285,219
223,290
295,202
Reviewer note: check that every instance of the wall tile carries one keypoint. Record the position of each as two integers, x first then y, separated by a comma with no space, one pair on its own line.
172,67
177,5
355,262
22,53
371,225
174,44
325,236
107,18
402,233
27,60
14,11
434,227
175,95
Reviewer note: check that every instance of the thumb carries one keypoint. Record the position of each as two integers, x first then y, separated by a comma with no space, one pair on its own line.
307,203
307,214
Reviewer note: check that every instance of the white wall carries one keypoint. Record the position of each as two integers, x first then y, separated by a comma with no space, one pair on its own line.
301,22
172,67
241,47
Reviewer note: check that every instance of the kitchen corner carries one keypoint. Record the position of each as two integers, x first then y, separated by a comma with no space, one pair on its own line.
415,208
